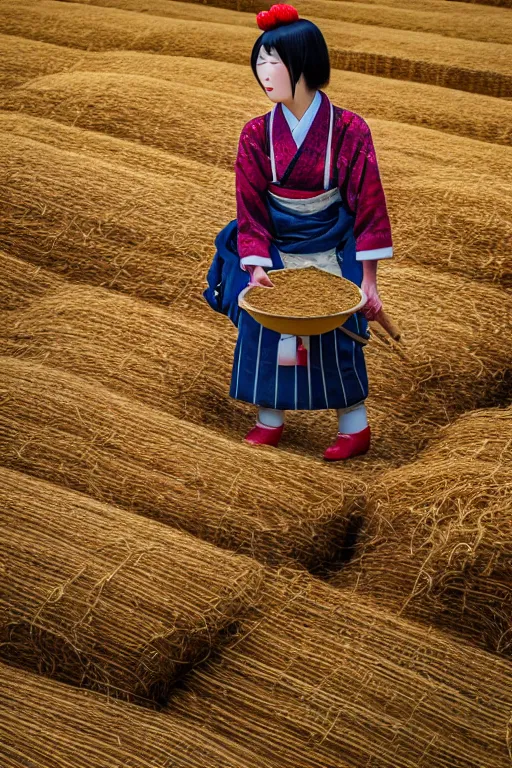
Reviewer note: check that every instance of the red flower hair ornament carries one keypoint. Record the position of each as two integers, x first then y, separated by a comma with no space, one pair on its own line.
277,16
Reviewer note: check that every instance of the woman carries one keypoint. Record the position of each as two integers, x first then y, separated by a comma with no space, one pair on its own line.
308,192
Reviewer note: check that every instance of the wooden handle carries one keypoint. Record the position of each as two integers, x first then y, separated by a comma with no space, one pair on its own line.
385,321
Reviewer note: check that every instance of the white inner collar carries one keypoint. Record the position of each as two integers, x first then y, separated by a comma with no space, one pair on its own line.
300,128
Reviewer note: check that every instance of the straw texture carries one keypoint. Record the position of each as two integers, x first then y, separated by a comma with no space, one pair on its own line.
44,724
452,21
270,505
445,222
436,541
416,56
318,678
120,227
98,597
21,282
471,115
181,364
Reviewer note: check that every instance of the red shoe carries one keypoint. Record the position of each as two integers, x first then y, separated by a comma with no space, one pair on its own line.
262,435
347,446
302,353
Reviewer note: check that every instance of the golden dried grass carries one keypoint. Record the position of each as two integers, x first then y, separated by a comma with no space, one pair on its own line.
169,361
273,506
481,24
22,282
100,598
46,724
317,675
436,541
201,125
417,56
446,223
471,115
452,359
135,230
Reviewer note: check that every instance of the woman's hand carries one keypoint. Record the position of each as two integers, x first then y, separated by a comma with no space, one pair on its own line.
259,276
369,288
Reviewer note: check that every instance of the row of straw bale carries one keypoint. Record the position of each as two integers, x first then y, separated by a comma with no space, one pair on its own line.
46,724
182,117
452,358
436,538
226,36
22,282
313,679
274,506
96,596
465,114
318,677
129,229
478,24
122,213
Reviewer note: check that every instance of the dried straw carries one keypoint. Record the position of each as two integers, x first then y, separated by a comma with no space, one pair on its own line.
128,229
227,36
44,724
471,115
318,675
98,597
481,24
436,542
446,222
21,282
158,356
182,365
276,507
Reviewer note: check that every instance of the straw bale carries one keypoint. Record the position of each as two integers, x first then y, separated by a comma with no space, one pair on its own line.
21,282
23,60
187,120
482,434
465,231
121,152
101,598
127,229
44,724
446,222
453,359
169,361
206,127
271,505
317,677
471,115
483,24
227,36
436,542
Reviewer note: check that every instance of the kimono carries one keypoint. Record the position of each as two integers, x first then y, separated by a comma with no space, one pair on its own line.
308,192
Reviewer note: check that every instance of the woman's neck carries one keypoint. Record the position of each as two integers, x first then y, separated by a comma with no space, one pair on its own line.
301,101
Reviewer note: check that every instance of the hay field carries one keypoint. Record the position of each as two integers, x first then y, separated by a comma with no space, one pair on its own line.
169,595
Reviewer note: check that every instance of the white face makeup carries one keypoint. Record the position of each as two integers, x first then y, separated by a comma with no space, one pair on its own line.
273,75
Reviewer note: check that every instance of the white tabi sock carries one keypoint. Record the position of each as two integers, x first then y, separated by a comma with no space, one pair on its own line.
269,417
352,420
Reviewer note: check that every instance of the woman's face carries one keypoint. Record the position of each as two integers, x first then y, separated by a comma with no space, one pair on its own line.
273,75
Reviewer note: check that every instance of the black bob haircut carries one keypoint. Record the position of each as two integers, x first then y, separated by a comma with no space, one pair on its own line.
303,50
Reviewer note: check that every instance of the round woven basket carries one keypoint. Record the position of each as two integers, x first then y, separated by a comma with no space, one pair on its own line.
299,326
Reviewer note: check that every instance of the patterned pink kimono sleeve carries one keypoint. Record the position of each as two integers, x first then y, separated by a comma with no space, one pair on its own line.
365,195
253,173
